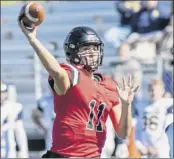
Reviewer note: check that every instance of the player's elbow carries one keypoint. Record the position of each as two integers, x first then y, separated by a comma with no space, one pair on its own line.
62,84
61,90
122,136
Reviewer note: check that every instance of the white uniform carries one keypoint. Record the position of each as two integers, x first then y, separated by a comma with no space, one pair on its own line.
109,147
11,113
152,126
46,106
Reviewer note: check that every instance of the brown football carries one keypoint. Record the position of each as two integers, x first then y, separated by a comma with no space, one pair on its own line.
32,14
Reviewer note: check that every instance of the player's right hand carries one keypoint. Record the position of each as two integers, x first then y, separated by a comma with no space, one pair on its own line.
29,33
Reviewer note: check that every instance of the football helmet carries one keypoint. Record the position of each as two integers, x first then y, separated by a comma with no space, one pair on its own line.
78,38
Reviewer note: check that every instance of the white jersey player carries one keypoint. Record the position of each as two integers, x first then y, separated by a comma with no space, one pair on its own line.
111,143
109,146
44,116
151,137
12,129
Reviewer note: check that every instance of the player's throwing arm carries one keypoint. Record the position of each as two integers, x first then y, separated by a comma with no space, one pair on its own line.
32,14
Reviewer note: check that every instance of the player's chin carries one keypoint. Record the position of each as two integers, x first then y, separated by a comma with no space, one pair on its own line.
91,68
94,68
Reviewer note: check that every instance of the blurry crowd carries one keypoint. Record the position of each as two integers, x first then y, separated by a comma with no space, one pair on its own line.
143,36
149,25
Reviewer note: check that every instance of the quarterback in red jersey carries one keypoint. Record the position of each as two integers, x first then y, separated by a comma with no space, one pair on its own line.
83,99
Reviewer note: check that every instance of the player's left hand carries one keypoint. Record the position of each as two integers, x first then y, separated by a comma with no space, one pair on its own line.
128,91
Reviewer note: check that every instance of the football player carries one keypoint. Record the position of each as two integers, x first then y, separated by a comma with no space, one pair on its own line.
83,99
151,137
12,129
43,116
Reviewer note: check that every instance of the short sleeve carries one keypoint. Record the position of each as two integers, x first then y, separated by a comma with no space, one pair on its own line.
73,74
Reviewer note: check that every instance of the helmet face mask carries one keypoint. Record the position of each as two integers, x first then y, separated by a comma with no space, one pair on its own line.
90,57
83,47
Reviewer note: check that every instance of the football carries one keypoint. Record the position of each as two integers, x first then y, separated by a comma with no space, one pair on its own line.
32,14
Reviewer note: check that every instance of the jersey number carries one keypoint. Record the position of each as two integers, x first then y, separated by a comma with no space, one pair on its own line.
151,122
90,123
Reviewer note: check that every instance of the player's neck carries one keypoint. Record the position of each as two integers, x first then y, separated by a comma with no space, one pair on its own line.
90,74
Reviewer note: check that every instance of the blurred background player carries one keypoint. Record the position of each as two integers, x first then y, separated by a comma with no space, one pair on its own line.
151,136
43,116
109,146
12,129
151,17
114,146
126,9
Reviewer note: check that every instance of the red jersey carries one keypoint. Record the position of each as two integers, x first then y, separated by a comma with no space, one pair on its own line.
79,128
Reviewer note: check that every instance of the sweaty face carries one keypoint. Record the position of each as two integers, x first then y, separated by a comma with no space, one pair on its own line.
90,56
